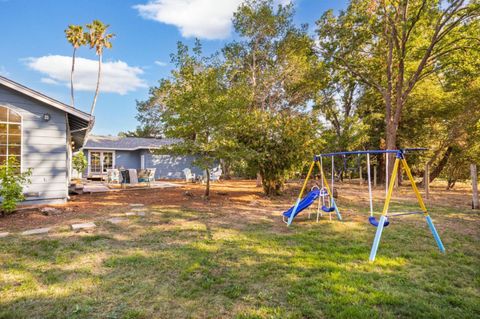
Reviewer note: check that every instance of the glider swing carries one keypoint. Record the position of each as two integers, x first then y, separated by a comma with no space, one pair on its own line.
323,194
384,217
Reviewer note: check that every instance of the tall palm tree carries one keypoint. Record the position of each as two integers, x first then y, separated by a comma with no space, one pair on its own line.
99,39
76,37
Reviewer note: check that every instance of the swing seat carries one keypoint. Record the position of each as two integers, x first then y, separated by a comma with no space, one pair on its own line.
374,221
328,209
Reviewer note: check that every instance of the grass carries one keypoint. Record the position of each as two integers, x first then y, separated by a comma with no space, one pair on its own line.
188,264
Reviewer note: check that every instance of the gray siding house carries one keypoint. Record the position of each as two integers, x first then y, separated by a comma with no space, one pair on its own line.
106,152
41,133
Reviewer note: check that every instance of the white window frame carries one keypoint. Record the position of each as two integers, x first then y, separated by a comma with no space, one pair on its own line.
21,132
101,160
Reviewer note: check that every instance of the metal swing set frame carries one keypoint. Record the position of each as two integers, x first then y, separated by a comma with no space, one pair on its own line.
383,222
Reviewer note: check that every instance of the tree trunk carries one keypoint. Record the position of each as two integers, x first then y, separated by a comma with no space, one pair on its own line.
71,77
437,170
391,144
259,179
207,187
94,103
227,174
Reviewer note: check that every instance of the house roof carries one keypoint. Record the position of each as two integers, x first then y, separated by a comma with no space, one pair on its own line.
43,98
78,120
126,143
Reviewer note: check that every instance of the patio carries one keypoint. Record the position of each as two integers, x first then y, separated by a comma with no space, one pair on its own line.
90,186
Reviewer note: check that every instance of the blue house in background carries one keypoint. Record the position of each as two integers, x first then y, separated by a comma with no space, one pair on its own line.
41,133
107,152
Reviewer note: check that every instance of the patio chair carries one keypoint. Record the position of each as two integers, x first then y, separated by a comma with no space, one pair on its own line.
113,175
189,176
215,174
146,175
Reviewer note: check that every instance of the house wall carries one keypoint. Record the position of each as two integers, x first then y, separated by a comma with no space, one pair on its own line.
44,146
168,166
127,159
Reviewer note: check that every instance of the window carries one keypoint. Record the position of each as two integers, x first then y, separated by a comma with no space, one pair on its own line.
10,136
100,161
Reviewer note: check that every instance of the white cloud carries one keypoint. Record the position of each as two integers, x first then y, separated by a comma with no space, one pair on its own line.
209,19
161,63
3,71
117,76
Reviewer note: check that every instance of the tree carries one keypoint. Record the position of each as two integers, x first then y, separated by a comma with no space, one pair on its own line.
194,109
406,40
99,39
142,131
274,67
76,37
79,162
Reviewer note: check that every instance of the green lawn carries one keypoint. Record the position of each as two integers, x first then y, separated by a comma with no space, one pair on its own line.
187,264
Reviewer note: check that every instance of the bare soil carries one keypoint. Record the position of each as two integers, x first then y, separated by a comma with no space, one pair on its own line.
235,199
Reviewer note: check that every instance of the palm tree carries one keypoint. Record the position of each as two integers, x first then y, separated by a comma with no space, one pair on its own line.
99,39
76,37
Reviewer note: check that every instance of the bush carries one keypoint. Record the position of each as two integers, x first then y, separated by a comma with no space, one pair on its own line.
11,183
79,162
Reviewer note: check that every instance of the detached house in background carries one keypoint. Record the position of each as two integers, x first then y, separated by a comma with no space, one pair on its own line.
41,133
116,152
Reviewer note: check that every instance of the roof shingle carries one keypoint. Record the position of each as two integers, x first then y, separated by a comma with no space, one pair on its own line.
126,143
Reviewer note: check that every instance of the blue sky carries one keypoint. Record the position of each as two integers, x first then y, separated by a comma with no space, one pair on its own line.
35,53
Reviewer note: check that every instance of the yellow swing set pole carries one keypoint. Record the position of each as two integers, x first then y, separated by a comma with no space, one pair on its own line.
292,215
378,234
423,207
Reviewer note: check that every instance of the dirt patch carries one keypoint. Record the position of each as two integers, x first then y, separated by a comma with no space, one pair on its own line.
231,201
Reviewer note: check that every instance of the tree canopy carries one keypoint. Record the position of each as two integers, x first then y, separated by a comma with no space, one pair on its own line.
379,74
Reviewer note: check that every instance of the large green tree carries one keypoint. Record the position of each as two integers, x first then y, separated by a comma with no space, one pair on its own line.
195,107
391,46
274,65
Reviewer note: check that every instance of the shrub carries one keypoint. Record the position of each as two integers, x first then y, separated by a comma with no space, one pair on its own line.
11,183
79,162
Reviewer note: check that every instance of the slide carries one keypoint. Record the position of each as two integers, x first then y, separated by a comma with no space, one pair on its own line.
304,203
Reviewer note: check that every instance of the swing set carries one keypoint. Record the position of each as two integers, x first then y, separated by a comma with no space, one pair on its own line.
325,194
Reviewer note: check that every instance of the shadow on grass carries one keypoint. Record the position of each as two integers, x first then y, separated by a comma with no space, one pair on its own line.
212,268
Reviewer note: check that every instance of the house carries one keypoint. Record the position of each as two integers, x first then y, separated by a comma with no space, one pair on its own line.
41,133
106,152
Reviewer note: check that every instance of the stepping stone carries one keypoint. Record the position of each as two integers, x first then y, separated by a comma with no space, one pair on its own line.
83,226
137,205
117,220
4,234
38,231
135,214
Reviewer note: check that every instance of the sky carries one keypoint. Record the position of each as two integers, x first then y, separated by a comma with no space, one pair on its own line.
35,53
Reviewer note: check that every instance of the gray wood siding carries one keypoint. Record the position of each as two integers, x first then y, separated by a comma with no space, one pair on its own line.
44,145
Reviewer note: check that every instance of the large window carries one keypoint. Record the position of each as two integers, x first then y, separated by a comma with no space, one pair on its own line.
10,135
100,161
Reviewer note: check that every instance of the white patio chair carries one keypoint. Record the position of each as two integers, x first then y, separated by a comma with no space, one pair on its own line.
216,174
189,176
